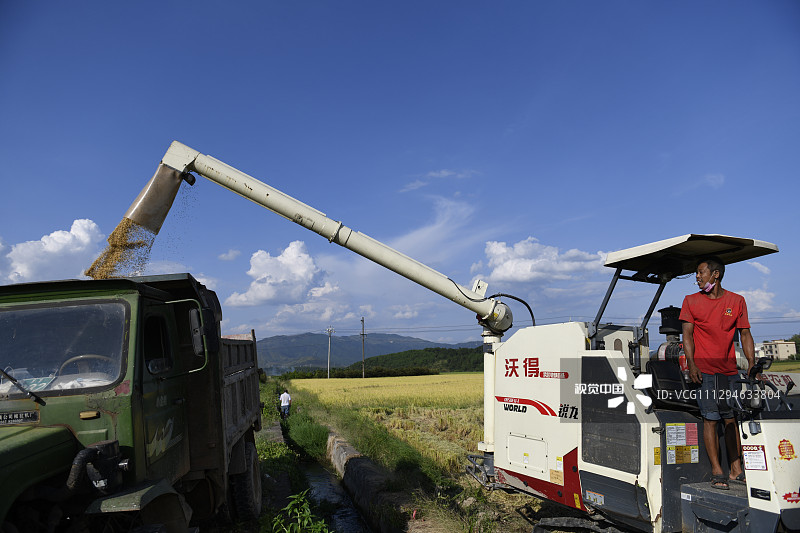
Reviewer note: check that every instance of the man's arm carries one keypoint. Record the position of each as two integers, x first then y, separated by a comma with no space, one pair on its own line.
688,350
748,347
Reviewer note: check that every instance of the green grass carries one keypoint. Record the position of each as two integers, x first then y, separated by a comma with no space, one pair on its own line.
279,459
276,457
306,434
406,429
785,366
373,440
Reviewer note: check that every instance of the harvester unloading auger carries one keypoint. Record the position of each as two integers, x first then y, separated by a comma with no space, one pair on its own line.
583,414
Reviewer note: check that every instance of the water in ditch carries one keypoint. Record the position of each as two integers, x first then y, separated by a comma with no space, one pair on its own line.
328,493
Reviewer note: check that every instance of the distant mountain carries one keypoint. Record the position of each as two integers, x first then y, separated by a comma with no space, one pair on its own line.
286,352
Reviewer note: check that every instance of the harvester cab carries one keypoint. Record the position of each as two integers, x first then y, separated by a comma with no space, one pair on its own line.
581,413
587,416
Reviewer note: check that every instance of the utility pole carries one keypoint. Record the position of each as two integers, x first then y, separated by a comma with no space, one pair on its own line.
330,332
363,336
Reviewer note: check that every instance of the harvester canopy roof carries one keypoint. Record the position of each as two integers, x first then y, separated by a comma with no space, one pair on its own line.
678,256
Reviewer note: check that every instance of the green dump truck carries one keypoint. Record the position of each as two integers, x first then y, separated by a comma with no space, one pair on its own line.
122,408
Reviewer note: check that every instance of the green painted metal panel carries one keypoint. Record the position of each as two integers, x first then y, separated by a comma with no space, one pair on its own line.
30,454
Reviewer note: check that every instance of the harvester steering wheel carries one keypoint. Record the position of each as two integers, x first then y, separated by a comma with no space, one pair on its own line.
753,398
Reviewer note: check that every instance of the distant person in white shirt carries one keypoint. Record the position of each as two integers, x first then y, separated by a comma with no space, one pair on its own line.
286,403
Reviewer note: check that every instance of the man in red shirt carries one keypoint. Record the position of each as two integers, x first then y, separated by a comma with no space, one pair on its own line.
710,320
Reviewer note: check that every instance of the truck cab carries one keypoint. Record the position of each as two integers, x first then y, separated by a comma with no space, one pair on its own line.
120,398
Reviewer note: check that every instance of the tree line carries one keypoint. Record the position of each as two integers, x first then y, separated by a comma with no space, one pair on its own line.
796,340
426,361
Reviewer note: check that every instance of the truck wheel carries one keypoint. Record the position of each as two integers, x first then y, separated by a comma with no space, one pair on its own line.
246,487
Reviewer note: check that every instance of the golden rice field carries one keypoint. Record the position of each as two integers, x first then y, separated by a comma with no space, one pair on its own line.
785,366
441,416
456,391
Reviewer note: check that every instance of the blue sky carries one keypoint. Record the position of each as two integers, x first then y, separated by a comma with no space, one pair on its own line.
515,141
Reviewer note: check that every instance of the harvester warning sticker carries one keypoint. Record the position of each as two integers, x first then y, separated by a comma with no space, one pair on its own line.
682,445
680,455
682,434
657,455
754,457
557,475
595,497
786,449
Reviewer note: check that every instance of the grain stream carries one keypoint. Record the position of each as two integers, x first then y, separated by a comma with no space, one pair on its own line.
127,253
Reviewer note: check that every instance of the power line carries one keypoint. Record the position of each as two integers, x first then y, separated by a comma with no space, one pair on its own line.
772,320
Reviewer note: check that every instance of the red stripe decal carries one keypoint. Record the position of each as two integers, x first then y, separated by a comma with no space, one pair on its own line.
542,407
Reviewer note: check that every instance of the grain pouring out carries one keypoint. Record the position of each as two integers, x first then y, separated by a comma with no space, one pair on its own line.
127,252
130,243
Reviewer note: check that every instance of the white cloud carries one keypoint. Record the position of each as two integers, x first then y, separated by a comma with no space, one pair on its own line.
171,267
714,180
325,290
438,240
165,267
208,281
405,312
447,173
590,288
285,278
528,260
444,173
59,255
230,255
758,300
414,185
312,314
758,266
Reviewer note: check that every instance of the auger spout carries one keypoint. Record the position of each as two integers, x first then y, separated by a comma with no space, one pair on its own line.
180,159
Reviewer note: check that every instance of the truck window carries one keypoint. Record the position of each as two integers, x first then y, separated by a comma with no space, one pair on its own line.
62,346
156,345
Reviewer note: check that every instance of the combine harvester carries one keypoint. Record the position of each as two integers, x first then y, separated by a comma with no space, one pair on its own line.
583,414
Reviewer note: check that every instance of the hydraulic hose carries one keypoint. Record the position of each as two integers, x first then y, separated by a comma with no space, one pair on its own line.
79,467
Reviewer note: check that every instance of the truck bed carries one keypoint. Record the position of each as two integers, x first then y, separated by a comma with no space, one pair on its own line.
241,399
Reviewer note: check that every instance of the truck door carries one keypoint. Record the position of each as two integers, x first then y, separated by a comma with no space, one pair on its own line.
163,397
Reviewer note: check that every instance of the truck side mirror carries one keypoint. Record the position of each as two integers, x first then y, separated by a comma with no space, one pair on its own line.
204,333
202,323
196,324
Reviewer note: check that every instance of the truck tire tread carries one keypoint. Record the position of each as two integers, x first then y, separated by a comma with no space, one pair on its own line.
246,487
